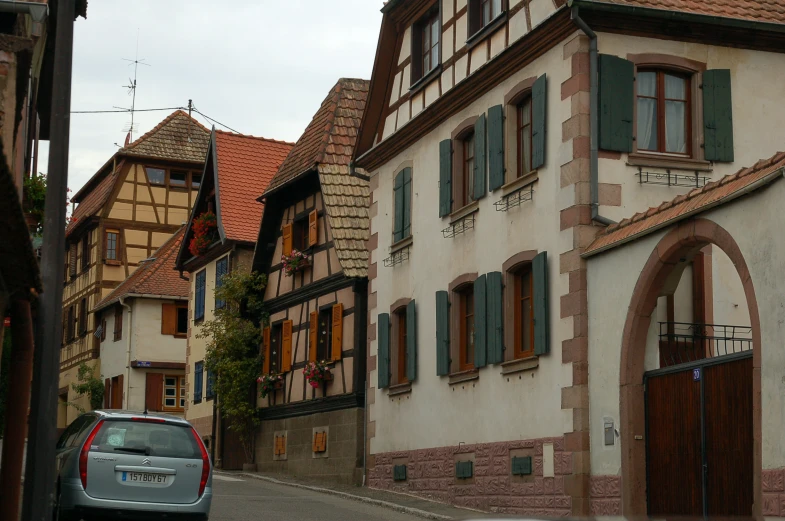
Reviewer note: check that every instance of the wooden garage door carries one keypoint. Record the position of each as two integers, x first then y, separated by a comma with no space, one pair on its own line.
699,439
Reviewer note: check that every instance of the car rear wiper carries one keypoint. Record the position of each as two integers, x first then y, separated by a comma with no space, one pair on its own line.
135,450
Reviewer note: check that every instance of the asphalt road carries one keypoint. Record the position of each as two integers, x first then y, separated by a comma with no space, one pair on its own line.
238,498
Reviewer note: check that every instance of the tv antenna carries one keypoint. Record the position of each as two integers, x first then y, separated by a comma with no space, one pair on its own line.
136,62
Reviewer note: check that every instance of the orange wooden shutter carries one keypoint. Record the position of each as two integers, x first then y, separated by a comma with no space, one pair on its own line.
154,392
286,353
313,228
266,350
337,331
287,239
314,336
107,393
168,319
120,391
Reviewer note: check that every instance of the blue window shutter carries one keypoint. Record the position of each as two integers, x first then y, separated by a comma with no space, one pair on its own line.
210,393
480,323
617,99
221,268
198,380
407,202
495,147
442,333
383,356
717,115
398,205
445,177
480,158
539,108
199,305
495,318
411,341
540,276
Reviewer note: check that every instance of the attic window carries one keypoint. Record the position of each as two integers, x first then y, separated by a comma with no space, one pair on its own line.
178,178
196,180
482,13
156,176
425,44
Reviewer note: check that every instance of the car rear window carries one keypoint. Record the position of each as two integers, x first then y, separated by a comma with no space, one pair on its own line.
151,439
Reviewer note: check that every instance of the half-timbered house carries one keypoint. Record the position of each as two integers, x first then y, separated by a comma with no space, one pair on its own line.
237,170
312,246
500,137
124,213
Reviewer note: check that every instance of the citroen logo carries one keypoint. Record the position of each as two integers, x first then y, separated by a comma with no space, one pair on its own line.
147,462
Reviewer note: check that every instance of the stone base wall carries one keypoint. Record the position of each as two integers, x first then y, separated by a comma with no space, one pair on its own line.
431,475
773,489
203,425
605,497
341,462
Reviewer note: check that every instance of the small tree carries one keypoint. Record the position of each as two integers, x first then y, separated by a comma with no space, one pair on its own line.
89,385
232,351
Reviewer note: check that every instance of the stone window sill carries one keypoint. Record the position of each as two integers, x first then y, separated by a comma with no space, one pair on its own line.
517,366
467,210
400,245
664,161
399,389
464,376
517,184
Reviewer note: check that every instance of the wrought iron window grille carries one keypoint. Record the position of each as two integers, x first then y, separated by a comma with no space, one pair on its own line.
396,258
515,198
682,342
459,227
668,178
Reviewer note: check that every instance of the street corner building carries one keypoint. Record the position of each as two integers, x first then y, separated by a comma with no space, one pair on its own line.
141,328
237,169
500,138
133,205
313,247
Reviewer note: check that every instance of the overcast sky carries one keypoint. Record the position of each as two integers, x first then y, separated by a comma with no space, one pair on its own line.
262,67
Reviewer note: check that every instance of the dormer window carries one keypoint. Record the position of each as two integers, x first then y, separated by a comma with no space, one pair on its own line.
482,13
425,45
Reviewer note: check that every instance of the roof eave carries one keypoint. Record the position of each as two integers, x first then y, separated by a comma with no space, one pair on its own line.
312,169
101,307
764,181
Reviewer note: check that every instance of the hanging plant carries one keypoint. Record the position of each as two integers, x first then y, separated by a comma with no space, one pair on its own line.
204,227
294,262
269,383
317,373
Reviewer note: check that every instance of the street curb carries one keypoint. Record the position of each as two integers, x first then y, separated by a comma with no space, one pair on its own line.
362,499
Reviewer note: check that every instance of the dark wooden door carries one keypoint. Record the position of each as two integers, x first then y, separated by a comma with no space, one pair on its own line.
727,397
699,439
232,454
674,445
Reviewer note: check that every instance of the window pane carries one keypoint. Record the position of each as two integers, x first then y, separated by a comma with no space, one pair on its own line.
426,63
647,83
178,178
171,381
526,149
497,7
170,391
526,112
526,324
675,127
182,321
196,180
486,12
157,176
435,32
435,55
675,87
170,402
182,403
647,124
426,37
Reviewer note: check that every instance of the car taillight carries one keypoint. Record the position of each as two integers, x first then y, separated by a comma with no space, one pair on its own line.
147,420
85,450
205,462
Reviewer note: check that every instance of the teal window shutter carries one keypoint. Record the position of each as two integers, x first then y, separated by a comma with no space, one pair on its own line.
495,147
539,105
411,341
442,333
383,356
521,466
495,318
407,202
480,158
480,322
399,473
541,322
445,177
717,115
398,196
617,97
464,469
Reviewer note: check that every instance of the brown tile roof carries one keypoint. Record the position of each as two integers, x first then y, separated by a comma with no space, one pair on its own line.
246,164
771,11
170,140
91,202
330,137
327,145
683,206
157,277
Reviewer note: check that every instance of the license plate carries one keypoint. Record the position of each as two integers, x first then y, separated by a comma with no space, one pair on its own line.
144,477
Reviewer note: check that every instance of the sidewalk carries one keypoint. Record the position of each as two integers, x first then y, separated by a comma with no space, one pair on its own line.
393,500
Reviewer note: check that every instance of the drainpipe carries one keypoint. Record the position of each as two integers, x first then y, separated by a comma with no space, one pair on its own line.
594,118
127,389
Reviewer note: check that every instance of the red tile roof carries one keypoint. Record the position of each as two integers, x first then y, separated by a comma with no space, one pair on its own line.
771,11
246,164
331,135
683,206
156,277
